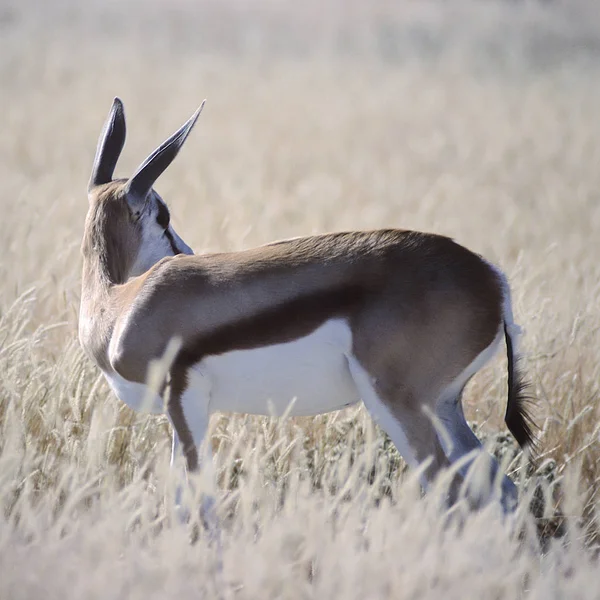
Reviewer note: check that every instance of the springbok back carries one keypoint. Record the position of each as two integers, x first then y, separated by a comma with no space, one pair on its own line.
398,319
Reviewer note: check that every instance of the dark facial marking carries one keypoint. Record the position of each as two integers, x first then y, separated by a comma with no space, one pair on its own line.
163,218
174,247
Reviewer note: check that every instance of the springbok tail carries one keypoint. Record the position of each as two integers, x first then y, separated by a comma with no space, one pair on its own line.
518,418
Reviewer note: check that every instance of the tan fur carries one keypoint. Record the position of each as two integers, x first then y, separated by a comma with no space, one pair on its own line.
109,246
401,292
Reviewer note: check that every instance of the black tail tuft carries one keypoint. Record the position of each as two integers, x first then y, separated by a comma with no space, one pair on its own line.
518,418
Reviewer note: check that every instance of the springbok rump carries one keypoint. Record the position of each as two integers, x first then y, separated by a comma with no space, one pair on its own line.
398,319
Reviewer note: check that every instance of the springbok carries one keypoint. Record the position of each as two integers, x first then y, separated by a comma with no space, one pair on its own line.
399,319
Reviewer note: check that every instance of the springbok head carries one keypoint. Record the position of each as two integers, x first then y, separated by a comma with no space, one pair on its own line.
128,224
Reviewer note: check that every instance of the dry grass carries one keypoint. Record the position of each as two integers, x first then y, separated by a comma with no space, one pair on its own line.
484,128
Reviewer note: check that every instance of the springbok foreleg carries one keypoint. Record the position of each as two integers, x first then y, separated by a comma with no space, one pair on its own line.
188,409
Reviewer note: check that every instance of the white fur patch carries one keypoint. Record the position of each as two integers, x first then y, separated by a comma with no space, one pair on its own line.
380,412
514,331
311,371
137,396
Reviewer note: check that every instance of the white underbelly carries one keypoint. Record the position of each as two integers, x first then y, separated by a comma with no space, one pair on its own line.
312,372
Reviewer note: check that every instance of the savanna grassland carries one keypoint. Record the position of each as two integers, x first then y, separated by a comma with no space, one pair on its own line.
478,120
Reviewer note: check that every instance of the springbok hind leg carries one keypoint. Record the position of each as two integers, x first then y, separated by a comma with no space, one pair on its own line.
411,430
458,441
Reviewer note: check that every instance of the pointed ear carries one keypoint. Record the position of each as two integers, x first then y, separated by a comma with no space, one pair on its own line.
110,144
153,167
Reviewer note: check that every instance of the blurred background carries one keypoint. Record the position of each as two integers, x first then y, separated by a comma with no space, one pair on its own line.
476,119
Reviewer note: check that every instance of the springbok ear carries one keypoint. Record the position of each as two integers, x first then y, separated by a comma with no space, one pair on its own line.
110,144
153,167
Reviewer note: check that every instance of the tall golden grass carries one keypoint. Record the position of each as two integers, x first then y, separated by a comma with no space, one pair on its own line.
479,120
